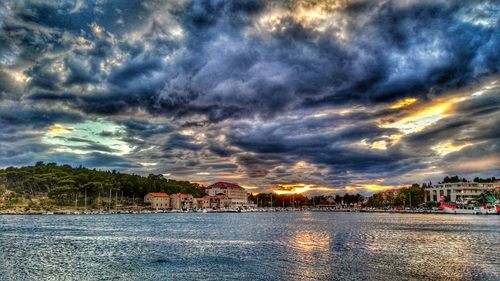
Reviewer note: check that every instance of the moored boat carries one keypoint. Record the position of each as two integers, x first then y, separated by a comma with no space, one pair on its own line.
453,208
484,204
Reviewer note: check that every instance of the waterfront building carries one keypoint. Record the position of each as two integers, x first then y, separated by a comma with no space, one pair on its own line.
236,195
158,200
202,203
457,190
181,201
218,202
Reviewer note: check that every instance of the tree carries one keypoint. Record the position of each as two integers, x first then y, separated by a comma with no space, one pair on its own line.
63,182
406,196
453,179
486,180
377,200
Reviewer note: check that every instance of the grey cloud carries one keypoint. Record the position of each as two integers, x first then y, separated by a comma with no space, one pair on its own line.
210,66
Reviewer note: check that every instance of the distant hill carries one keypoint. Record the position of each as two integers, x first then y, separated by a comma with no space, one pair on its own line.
63,182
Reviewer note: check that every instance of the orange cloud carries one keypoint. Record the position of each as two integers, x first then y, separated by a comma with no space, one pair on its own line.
403,103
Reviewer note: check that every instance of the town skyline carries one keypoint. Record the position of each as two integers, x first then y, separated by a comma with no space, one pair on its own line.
330,96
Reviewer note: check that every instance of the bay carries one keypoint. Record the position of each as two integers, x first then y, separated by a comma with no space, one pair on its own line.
250,246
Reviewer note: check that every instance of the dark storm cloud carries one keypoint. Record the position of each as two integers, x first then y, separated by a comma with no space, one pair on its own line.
31,117
27,147
95,159
88,145
221,69
316,69
474,121
47,96
279,138
220,150
71,16
259,73
42,77
146,128
133,71
258,166
79,73
488,149
444,129
177,141
487,104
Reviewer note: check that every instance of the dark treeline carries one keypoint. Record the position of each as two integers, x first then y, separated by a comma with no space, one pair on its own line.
412,196
275,200
346,199
64,183
455,179
486,180
299,200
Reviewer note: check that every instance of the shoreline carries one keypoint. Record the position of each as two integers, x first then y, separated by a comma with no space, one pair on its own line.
97,212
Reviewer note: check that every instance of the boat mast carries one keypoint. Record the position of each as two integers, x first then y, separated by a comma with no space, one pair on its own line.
85,204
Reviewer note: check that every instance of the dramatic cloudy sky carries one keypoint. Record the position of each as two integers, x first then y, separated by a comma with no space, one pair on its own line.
342,96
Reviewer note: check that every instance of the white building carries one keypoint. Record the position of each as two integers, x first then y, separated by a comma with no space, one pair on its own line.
457,190
236,194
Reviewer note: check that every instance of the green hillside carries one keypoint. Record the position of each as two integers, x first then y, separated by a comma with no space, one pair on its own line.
64,185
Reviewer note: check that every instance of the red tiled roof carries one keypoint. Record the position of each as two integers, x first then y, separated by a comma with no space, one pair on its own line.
180,194
158,194
215,197
225,185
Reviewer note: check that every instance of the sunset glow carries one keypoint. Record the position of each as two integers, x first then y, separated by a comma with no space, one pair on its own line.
403,103
445,148
299,188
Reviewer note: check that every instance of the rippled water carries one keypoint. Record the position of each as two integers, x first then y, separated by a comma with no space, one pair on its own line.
250,246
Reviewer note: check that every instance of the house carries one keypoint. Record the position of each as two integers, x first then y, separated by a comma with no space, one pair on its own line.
202,203
218,201
236,196
158,200
181,201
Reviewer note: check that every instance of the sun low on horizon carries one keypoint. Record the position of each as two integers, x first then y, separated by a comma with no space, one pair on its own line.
284,96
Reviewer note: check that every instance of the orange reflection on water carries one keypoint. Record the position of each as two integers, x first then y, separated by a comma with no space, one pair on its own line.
311,255
312,241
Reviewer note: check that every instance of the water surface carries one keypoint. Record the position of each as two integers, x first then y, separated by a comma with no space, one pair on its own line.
250,246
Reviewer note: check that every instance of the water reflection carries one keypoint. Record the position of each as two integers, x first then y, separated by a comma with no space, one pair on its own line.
309,255
442,248
311,241
250,246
